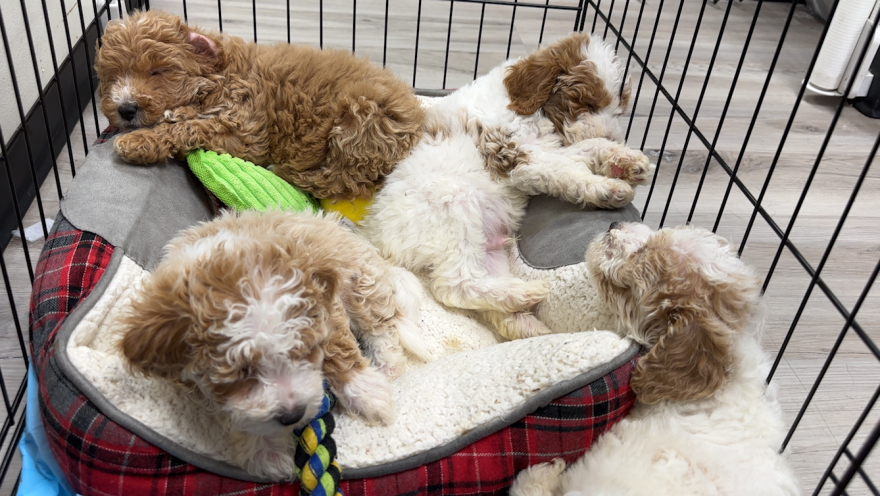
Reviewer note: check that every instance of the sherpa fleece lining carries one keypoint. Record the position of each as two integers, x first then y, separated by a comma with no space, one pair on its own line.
414,442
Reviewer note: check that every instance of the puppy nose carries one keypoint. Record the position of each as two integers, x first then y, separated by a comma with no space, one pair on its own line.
614,226
128,111
291,417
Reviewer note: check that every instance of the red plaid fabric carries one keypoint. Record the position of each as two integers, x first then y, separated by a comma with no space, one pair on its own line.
102,458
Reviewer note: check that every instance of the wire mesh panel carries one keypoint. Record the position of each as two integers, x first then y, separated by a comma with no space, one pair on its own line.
719,103
48,120
742,149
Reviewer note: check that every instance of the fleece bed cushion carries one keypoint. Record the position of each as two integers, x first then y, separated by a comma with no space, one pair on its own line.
105,454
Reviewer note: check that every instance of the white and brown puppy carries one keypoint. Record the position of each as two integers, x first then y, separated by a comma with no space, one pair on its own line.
682,293
542,124
706,422
255,311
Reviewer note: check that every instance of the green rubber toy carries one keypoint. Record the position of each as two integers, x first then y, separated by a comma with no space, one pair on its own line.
244,186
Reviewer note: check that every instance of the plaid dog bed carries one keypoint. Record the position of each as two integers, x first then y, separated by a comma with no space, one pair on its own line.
101,457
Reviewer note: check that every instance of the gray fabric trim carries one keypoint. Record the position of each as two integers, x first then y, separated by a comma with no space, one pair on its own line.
138,208
555,233
107,408
537,401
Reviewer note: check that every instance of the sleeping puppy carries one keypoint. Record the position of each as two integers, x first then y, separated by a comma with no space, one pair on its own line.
546,123
705,421
329,122
254,312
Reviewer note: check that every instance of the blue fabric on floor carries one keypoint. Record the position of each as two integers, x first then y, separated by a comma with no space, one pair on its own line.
40,473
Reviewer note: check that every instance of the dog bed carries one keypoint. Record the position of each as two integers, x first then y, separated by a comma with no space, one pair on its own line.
460,429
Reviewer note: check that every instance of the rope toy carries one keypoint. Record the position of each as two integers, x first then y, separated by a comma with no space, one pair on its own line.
315,456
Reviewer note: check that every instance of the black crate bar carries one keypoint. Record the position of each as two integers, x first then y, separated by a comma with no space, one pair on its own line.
615,24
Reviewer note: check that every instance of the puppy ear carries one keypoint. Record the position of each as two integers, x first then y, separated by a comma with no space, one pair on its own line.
155,338
326,281
202,45
689,361
530,80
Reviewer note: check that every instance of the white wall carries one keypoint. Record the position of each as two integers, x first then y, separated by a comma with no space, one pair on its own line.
21,55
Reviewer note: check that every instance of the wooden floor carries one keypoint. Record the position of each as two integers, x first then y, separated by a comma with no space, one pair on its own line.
854,374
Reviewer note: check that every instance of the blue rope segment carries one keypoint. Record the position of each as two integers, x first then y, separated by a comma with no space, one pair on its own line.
315,455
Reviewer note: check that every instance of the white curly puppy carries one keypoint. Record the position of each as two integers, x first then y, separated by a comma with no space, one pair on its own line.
542,124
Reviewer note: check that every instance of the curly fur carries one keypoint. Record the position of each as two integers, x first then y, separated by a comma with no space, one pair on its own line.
682,293
449,210
706,423
329,122
253,312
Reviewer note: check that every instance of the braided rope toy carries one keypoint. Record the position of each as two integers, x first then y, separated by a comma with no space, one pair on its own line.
315,456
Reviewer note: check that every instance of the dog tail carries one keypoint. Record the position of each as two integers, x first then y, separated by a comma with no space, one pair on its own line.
408,291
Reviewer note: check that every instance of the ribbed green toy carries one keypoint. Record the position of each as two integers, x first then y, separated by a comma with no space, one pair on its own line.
244,186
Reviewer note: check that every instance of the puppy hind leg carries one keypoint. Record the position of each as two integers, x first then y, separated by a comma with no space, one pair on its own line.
516,325
360,388
408,292
379,320
499,293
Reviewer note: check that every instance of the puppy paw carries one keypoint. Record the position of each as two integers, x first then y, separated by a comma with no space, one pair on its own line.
525,325
523,295
538,480
631,166
180,114
611,194
271,457
368,395
142,146
501,152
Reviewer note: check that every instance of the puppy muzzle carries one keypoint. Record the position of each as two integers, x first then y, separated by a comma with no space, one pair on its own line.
291,417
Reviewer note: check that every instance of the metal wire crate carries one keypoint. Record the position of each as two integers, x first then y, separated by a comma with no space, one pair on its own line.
719,102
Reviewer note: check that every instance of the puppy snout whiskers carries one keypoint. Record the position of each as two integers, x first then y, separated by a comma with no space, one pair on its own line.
128,111
614,226
291,417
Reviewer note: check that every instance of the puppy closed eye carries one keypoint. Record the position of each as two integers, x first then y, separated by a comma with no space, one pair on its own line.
158,71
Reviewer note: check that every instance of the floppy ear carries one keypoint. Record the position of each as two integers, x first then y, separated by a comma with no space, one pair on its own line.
202,45
155,338
689,361
530,80
326,281
207,49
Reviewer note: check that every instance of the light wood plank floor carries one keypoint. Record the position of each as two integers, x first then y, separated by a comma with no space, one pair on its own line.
854,374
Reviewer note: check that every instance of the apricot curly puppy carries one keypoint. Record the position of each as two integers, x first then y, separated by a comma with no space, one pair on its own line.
329,122
252,312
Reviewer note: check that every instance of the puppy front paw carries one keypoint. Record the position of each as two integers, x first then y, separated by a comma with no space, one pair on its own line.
271,458
142,146
368,395
629,165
